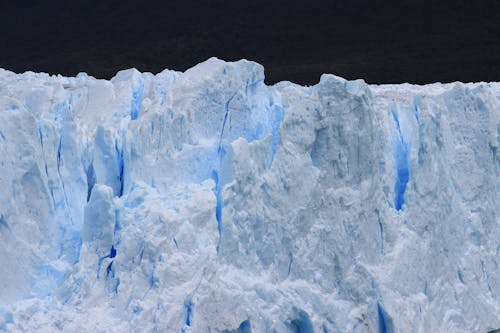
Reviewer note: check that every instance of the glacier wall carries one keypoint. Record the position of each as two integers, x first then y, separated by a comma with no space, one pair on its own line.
206,201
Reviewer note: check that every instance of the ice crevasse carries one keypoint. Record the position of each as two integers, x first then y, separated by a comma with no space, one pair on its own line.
207,201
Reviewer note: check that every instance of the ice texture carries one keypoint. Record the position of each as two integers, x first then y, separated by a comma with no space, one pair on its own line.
206,201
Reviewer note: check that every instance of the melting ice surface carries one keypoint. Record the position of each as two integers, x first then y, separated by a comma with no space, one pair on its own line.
206,201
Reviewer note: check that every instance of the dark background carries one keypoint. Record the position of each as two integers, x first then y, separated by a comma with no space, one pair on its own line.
381,41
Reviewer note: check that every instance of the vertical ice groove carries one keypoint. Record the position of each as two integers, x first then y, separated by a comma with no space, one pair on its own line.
218,205
416,107
90,173
121,168
153,280
290,264
59,147
137,96
117,226
112,282
61,178
228,102
188,317
301,323
155,319
486,277
278,114
141,255
116,285
460,277
109,269
40,133
385,323
401,160
221,152
381,229
3,222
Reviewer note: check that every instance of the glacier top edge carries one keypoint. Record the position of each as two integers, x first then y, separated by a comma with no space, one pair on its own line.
202,67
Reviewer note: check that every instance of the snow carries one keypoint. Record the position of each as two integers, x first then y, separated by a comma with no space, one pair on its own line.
206,201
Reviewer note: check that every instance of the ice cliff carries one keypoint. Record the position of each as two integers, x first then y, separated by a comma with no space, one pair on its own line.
206,201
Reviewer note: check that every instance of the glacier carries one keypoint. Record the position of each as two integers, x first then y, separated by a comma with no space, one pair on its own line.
207,201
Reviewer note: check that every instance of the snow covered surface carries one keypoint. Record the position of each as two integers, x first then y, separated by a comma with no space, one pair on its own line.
206,201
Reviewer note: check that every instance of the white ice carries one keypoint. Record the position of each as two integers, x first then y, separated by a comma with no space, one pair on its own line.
206,201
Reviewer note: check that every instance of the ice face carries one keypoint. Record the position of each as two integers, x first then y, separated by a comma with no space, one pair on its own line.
206,201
